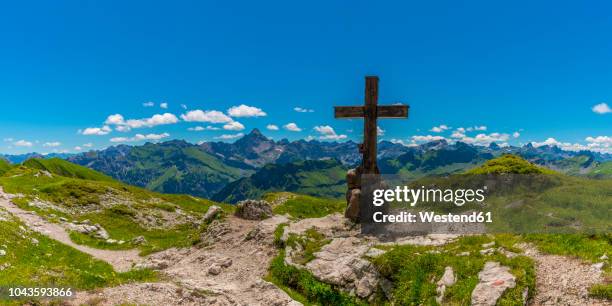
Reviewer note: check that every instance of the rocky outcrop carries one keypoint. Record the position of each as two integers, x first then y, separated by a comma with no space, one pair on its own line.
253,210
494,280
447,280
211,213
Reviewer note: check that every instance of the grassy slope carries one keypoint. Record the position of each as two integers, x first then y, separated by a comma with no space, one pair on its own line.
50,263
119,220
302,206
4,166
66,169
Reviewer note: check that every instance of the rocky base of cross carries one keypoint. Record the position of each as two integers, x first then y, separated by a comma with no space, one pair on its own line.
353,195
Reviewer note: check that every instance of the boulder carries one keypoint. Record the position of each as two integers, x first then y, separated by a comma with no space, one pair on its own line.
139,240
253,210
211,213
494,280
447,280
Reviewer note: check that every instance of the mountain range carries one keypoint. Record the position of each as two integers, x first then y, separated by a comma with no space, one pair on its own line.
255,164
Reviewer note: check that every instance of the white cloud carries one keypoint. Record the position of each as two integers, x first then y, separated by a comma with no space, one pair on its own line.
52,144
516,134
88,145
309,138
440,128
458,133
303,110
245,111
399,141
8,139
480,128
183,106
601,108
328,133
380,131
163,105
148,104
486,139
426,138
292,127
600,139
23,143
123,125
207,128
233,126
141,137
229,136
272,127
212,116
77,148
96,130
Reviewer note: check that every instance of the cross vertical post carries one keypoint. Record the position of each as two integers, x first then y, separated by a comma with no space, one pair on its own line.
370,128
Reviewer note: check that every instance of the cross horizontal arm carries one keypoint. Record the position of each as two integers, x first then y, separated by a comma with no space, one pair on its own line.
348,112
392,111
383,111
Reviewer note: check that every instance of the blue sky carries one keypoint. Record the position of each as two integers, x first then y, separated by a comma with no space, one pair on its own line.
534,69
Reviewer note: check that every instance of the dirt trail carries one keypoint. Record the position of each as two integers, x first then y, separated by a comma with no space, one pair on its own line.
229,271
120,260
562,280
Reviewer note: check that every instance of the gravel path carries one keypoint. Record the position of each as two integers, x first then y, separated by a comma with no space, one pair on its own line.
562,280
120,260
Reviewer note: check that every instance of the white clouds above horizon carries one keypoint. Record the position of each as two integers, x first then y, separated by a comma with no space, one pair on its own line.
52,144
229,136
245,111
303,110
272,127
148,104
233,126
163,105
439,129
292,127
96,131
23,143
123,125
601,108
210,116
328,133
140,137
201,128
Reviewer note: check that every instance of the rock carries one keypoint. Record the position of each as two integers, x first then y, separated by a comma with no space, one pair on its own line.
352,208
488,251
340,263
598,266
464,254
488,245
52,216
153,263
102,234
494,280
603,257
447,280
211,213
375,252
2,252
120,242
111,241
86,221
34,241
63,219
253,210
214,269
139,240
226,263
387,287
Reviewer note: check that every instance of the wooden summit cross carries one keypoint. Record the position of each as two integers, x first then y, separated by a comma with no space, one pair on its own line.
370,111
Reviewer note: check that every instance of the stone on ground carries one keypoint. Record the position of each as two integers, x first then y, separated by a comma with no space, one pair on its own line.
253,210
494,280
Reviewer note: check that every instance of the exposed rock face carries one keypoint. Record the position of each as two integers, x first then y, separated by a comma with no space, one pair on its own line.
447,280
253,210
341,263
211,213
494,280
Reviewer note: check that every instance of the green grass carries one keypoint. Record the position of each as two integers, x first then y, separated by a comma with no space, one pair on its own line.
412,269
311,242
302,285
601,291
64,168
50,263
303,206
4,166
84,198
509,163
